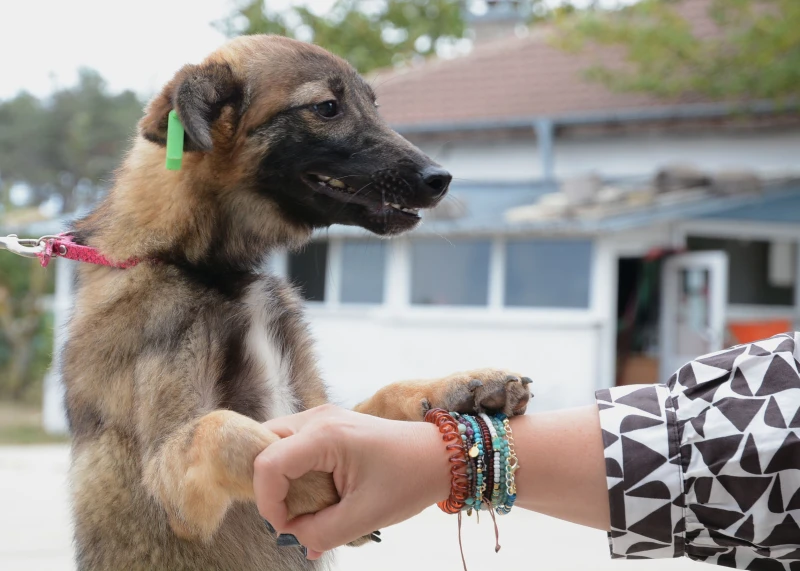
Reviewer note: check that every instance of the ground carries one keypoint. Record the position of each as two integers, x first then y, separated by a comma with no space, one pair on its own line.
21,424
35,531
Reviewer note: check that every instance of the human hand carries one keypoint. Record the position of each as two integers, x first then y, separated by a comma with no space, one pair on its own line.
385,471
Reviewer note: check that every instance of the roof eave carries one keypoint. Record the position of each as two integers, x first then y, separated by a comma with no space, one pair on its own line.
629,115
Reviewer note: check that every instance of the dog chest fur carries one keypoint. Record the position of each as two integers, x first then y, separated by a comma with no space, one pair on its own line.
271,359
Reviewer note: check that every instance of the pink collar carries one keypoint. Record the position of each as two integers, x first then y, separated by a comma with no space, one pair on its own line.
60,246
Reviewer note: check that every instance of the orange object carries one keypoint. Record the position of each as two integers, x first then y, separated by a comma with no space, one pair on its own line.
637,370
459,490
750,331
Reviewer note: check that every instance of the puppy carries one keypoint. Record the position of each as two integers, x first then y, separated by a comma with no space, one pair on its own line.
172,364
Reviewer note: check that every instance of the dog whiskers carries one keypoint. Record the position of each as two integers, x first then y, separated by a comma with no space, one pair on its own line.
445,239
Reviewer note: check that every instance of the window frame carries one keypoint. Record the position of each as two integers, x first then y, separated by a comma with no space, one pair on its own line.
398,308
533,239
461,306
747,230
339,254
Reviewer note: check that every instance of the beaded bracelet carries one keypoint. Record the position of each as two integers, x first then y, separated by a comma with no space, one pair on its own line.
512,464
484,461
483,465
501,431
488,461
473,441
496,492
477,453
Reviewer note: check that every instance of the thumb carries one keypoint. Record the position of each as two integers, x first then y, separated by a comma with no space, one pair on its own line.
326,529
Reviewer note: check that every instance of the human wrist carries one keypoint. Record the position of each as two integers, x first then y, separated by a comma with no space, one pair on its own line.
433,464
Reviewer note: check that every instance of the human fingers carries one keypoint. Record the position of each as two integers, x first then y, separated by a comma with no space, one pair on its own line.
280,463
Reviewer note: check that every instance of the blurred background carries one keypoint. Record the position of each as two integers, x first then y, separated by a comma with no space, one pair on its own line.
626,197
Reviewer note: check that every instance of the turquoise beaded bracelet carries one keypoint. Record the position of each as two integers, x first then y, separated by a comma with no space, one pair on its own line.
502,455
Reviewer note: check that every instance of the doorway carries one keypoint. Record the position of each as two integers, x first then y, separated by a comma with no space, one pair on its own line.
638,309
670,309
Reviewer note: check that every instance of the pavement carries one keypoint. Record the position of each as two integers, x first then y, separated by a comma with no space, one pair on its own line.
35,532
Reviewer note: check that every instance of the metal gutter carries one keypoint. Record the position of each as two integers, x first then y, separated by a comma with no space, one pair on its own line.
545,141
691,111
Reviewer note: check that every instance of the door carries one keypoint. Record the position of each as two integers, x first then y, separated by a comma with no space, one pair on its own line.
693,301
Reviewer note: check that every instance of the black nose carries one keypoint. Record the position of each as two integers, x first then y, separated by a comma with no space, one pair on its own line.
436,180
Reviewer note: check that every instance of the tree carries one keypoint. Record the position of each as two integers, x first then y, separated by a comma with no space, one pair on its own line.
69,143
26,333
368,34
66,145
754,54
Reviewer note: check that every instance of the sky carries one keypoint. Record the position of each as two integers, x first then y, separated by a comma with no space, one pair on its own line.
134,44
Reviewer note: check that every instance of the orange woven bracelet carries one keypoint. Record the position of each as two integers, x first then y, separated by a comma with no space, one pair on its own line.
459,488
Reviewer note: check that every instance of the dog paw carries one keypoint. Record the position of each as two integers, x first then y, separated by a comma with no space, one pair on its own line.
312,493
374,537
484,390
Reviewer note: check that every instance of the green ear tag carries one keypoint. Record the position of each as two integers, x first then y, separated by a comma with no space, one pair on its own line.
174,142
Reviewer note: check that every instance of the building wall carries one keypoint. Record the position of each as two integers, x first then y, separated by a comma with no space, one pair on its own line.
625,156
514,160
363,348
360,354
486,160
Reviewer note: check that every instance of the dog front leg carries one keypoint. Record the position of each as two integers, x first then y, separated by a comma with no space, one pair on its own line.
201,468
481,390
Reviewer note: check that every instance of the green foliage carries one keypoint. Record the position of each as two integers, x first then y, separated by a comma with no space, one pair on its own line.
368,33
69,143
754,55
26,329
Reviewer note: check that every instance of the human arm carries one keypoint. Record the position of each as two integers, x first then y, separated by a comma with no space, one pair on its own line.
562,470
706,465
388,471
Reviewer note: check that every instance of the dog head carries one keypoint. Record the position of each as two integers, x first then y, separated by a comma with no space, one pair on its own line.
267,118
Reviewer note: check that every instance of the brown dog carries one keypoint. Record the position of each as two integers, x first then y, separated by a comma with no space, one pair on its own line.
171,365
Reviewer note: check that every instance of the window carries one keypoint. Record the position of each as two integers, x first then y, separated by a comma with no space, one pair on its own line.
749,271
454,272
307,270
548,273
363,266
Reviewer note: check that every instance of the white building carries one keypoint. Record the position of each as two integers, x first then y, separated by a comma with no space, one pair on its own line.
513,273
555,254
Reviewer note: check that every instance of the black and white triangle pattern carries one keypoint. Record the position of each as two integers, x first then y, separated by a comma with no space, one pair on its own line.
708,465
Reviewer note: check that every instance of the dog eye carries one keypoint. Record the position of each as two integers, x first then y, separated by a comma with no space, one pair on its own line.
327,109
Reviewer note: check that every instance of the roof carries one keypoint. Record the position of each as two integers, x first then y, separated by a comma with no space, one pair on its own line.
486,209
780,209
483,207
513,78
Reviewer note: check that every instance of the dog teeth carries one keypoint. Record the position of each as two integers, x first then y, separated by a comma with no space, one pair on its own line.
323,180
402,208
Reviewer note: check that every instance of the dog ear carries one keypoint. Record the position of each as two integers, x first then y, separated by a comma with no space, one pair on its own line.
198,94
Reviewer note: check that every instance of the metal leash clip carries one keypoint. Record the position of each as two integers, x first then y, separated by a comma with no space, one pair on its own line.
25,247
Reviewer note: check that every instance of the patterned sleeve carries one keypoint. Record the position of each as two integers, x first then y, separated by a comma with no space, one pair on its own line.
708,465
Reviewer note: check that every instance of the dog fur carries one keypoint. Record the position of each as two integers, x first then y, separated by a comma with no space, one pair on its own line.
171,366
